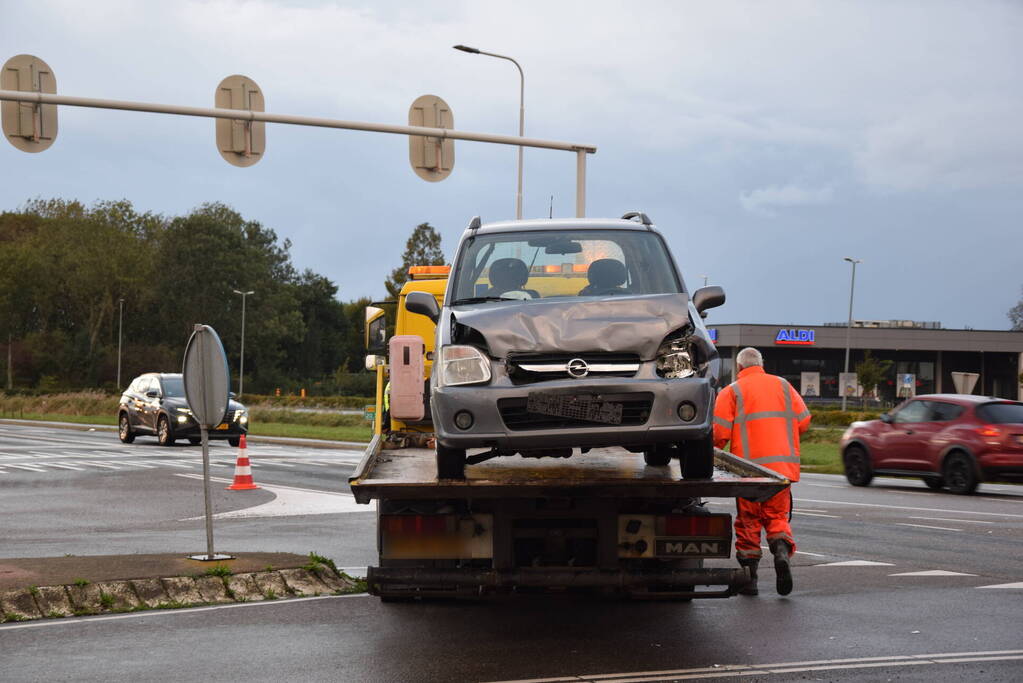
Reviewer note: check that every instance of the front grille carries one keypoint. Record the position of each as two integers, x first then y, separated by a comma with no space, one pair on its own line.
635,411
527,368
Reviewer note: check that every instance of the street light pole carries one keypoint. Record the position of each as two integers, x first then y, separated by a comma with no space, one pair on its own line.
120,325
848,326
522,114
241,363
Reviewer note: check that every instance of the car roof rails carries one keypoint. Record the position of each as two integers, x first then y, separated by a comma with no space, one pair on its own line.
643,218
475,223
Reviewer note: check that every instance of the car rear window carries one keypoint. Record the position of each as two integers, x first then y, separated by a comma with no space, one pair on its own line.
1001,413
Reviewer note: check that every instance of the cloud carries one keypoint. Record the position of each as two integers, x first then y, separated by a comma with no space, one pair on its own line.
765,199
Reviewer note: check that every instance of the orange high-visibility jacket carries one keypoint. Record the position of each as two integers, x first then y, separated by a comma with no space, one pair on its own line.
763,416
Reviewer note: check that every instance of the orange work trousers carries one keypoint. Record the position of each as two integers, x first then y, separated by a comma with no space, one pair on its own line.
772,516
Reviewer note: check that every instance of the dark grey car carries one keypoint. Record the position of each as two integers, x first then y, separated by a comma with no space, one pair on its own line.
155,404
562,334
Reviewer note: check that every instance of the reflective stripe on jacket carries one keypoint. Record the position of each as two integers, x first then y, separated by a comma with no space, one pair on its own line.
762,416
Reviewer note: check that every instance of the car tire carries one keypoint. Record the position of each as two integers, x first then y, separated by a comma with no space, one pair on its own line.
934,483
696,458
657,457
960,473
857,466
124,432
194,440
163,432
234,441
450,463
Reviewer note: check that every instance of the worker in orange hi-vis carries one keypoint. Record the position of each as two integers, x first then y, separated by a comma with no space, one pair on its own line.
762,416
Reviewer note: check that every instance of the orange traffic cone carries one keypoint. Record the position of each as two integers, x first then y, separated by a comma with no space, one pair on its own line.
242,471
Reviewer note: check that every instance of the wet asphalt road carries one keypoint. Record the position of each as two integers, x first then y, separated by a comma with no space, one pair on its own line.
885,575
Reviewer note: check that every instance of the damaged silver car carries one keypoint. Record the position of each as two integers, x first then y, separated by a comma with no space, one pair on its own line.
564,334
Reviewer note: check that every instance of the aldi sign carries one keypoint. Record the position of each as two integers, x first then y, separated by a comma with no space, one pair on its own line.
794,336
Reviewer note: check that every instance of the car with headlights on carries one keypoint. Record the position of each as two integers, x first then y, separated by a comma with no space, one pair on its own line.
951,441
563,334
154,404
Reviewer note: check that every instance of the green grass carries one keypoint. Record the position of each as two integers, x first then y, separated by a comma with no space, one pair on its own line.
58,417
219,570
820,457
299,431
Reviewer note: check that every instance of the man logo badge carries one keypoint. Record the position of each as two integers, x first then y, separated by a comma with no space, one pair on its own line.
577,368
690,548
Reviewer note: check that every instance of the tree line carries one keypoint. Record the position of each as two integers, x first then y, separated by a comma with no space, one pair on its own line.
66,271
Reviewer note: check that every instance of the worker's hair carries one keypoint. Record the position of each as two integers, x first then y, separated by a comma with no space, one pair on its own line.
749,357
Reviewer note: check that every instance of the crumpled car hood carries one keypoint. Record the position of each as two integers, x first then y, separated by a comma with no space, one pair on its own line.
620,324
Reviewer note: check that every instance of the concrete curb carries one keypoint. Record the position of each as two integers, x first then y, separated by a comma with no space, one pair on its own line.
109,597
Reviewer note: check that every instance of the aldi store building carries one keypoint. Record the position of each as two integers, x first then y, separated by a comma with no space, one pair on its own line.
923,356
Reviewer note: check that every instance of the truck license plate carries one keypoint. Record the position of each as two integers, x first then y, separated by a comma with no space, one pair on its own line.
582,407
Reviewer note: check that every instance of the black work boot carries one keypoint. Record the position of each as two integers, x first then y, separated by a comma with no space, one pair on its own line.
751,587
783,572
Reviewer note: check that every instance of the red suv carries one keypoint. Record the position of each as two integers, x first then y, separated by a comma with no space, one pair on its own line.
948,440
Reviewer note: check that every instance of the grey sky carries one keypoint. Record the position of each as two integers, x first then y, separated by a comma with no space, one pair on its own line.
767,140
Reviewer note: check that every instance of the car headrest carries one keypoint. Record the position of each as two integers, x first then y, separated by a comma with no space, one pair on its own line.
508,274
606,272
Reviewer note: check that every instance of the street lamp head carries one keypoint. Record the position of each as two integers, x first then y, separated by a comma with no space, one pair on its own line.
852,260
466,48
243,293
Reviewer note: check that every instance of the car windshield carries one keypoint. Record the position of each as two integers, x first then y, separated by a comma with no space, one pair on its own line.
526,266
1001,413
173,387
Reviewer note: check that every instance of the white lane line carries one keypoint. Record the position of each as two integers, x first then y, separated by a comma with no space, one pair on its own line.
933,572
1018,584
811,510
856,563
136,463
30,468
64,466
733,670
904,507
826,486
927,526
99,464
814,514
946,519
279,464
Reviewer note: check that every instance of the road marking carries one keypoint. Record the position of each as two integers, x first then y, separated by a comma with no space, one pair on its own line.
904,507
856,563
1018,584
812,510
30,468
814,514
927,526
933,572
946,519
64,466
733,670
99,464
290,501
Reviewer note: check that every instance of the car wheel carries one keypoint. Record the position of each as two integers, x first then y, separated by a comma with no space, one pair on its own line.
450,463
234,441
658,456
696,458
124,432
163,432
857,466
935,483
960,473
194,440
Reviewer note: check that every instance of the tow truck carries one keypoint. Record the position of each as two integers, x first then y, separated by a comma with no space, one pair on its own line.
620,518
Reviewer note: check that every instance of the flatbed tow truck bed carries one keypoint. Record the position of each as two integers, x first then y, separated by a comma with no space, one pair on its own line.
601,519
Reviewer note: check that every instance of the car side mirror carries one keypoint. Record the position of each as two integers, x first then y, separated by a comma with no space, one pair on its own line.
708,297
886,418
152,393
422,303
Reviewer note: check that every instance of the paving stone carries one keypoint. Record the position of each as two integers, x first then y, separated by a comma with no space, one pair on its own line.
151,592
212,589
85,599
53,601
117,596
303,582
18,605
332,580
244,588
182,589
271,581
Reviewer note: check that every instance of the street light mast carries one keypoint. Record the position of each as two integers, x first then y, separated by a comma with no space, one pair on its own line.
241,363
848,326
522,114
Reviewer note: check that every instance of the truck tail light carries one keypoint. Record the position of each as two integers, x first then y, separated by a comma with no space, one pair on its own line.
436,537
702,525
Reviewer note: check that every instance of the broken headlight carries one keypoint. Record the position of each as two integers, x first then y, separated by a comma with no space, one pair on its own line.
675,358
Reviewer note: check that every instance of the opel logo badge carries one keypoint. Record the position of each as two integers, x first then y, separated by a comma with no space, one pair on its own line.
577,368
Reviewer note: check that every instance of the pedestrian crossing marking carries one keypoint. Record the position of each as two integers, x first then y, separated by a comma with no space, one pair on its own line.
933,572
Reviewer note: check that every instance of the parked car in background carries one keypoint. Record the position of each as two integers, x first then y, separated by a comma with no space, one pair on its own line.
154,404
952,441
